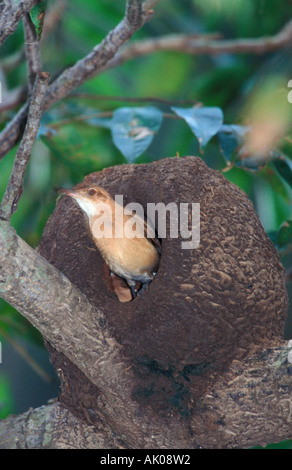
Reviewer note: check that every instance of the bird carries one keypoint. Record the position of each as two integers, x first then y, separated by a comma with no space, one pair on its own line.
134,258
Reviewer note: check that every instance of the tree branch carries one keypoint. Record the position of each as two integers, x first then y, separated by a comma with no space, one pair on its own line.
134,13
105,114
67,320
54,14
250,405
148,5
90,65
74,76
11,14
51,427
32,52
130,99
14,187
12,132
191,44
13,98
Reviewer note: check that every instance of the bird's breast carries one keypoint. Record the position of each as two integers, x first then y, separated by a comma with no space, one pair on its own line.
131,258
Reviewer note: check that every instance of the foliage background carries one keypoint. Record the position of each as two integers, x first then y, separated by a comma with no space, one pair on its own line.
243,85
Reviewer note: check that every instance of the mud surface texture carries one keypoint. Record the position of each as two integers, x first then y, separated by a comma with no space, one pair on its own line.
205,307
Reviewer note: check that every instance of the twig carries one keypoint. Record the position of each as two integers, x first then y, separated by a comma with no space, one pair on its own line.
54,15
97,59
12,132
105,114
11,62
13,97
129,99
149,5
74,76
204,45
14,187
32,52
80,118
11,14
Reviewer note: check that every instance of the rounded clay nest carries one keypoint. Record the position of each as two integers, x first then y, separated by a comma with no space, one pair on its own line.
206,306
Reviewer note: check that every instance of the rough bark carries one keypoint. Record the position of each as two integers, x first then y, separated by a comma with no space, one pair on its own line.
11,13
50,427
14,187
250,405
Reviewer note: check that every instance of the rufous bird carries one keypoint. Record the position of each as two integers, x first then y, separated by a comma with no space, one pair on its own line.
133,259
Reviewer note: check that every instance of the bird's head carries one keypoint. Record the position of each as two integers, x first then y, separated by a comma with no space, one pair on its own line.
89,198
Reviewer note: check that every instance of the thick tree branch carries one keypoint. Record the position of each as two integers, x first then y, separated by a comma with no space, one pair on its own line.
250,405
14,187
11,14
68,321
51,427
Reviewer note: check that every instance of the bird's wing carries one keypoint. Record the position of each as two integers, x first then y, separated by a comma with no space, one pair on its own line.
153,238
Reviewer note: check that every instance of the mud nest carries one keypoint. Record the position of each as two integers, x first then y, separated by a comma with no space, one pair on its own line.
206,306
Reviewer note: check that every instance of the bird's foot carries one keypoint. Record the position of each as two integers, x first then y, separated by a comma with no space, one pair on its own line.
143,288
133,292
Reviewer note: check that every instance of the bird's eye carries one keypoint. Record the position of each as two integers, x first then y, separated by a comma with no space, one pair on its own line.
91,192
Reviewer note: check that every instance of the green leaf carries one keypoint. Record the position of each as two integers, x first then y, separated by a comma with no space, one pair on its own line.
133,129
82,148
283,237
230,139
284,167
204,122
6,400
37,15
269,173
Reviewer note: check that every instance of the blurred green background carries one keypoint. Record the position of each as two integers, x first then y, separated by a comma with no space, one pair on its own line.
246,87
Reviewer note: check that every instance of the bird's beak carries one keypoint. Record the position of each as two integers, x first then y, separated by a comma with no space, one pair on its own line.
68,192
